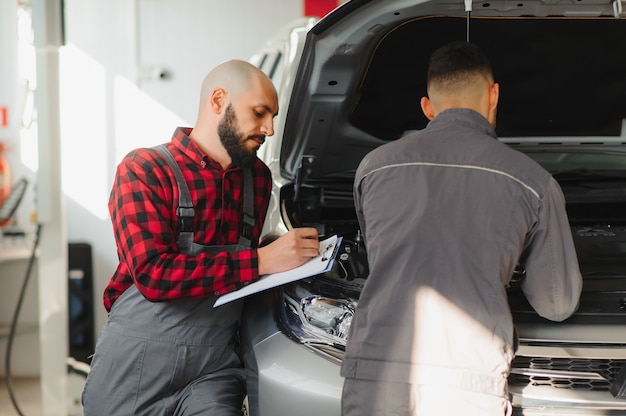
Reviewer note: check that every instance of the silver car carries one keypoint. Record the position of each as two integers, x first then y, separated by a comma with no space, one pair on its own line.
351,82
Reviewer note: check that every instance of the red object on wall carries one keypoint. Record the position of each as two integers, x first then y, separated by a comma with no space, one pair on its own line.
5,177
319,8
4,117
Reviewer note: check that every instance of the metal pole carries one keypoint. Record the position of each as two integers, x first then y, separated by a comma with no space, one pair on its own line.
52,262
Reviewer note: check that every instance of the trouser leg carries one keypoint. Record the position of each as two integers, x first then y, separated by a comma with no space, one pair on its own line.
379,398
217,394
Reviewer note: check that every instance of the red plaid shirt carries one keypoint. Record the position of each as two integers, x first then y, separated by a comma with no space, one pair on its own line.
143,212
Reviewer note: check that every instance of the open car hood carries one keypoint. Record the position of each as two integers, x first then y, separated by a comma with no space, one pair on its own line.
363,73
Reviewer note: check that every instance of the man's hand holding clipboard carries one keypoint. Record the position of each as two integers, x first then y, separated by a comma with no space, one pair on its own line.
317,265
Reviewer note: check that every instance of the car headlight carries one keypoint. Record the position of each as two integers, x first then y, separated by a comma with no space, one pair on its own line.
317,313
331,315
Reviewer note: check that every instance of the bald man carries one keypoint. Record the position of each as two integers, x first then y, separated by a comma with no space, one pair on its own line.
432,333
187,217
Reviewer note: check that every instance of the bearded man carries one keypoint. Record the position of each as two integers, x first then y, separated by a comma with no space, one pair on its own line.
187,217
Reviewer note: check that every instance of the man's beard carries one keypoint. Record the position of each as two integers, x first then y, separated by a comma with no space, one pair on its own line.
233,141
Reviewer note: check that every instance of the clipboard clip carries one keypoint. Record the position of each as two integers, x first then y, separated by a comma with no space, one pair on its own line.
327,253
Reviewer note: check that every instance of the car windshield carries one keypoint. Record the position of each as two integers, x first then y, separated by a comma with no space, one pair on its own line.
593,183
581,164
586,173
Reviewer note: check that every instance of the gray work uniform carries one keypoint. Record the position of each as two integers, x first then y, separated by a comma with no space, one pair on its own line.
447,213
171,358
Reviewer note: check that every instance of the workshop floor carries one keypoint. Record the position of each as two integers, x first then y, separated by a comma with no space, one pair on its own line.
27,394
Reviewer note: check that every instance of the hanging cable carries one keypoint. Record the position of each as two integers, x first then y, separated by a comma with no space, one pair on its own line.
7,363
468,11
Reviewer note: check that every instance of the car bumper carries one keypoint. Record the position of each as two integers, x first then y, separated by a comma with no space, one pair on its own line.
284,377
568,369
536,401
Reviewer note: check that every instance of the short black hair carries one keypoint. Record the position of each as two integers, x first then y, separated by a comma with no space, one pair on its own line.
457,61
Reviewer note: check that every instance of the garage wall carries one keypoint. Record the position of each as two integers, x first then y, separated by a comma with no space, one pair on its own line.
182,39
112,101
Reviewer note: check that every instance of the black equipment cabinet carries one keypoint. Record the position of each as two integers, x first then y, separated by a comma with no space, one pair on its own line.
80,298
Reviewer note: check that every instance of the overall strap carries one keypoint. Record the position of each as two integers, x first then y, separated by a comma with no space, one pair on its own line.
185,210
248,209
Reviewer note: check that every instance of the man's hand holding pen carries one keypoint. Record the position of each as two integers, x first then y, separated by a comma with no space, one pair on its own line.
288,251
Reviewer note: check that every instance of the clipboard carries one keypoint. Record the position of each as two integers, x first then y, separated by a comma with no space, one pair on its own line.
317,265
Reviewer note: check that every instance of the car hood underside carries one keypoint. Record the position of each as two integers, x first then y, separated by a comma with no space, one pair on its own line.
360,86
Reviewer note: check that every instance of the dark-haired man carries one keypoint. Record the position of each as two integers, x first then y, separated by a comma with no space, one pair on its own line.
447,214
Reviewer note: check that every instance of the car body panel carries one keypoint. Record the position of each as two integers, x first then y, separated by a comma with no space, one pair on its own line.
287,378
332,86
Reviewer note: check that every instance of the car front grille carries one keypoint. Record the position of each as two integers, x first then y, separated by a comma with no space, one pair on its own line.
565,373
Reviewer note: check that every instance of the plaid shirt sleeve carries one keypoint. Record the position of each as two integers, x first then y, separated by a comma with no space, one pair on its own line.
143,216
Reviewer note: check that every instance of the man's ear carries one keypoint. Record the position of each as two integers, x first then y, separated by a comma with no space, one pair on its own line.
217,100
494,96
427,108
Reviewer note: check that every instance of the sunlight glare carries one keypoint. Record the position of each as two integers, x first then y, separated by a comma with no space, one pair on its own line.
140,120
84,130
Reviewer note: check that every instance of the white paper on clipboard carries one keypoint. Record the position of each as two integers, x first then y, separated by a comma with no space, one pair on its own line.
320,264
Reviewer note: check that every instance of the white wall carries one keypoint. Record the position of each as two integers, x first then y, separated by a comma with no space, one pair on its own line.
109,106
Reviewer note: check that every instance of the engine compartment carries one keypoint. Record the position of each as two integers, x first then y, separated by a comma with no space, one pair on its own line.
601,246
329,207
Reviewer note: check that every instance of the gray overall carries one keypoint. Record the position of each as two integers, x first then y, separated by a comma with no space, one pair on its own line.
176,357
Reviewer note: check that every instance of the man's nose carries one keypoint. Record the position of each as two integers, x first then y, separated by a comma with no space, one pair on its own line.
268,128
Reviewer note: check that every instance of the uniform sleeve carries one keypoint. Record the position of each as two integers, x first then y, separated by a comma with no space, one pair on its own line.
358,195
553,282
141,212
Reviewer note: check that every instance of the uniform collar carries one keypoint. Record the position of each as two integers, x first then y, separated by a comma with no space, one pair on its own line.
464,117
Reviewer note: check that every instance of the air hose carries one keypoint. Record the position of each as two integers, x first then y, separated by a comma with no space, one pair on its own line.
12,331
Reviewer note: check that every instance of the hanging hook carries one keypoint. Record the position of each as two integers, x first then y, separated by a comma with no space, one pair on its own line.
617,8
